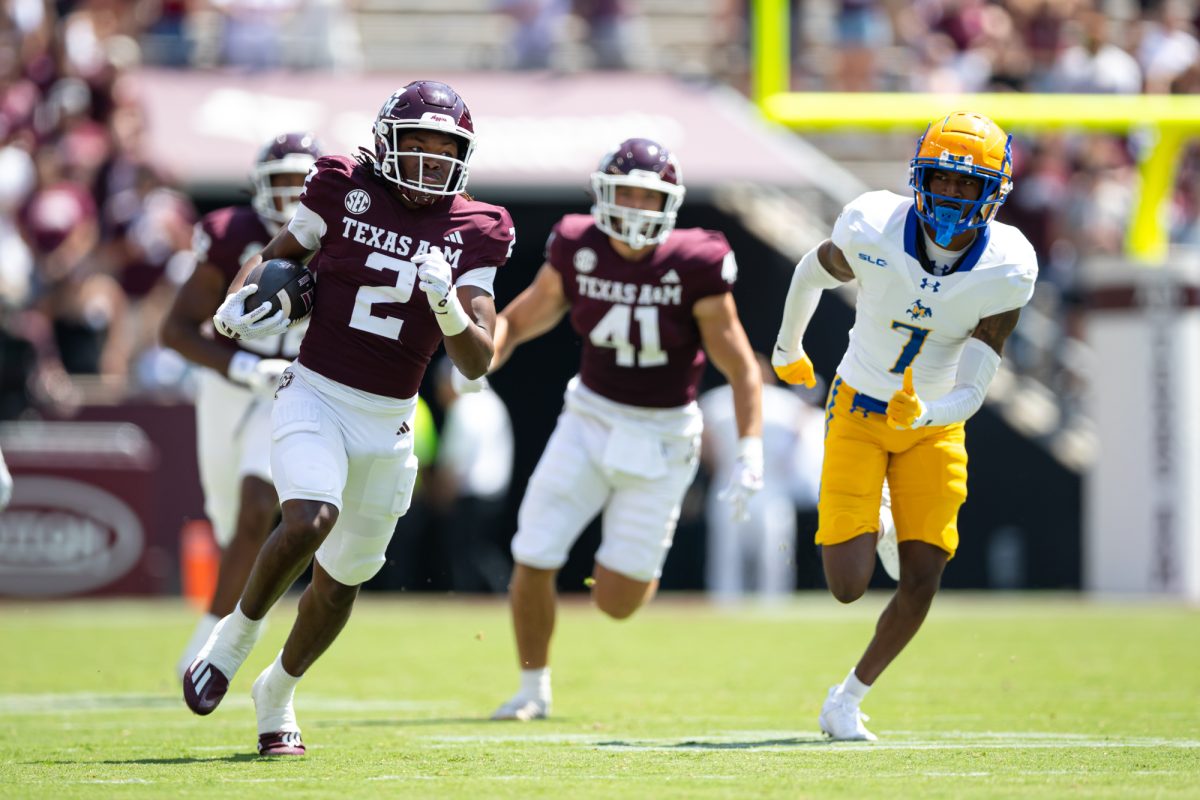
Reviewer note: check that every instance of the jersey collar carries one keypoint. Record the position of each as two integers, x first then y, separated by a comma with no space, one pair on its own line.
916,249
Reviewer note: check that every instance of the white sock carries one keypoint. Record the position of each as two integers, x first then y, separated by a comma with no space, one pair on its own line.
240,627
536,683
204,627
854,687
231,642
273,695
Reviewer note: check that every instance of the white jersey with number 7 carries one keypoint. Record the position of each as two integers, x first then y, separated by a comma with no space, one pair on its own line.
906,316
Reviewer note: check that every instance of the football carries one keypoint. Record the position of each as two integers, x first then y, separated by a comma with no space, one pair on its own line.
286,285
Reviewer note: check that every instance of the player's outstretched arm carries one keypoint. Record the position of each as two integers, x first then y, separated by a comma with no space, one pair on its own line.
823,267
531,313
726,344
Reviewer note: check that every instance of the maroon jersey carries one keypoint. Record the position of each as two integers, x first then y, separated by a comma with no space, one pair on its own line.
371,327
225,238
641,344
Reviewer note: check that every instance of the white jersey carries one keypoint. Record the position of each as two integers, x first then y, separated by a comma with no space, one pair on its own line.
905,316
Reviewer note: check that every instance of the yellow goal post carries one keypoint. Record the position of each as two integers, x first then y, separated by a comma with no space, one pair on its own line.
1169,121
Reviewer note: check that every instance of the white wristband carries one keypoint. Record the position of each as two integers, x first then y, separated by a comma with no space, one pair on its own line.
454,319
750,451
242,366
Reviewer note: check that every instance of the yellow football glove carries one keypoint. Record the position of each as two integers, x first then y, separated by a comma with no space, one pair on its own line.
905,410
793,367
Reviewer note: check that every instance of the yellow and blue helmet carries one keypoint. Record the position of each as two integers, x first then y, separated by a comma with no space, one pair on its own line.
971,144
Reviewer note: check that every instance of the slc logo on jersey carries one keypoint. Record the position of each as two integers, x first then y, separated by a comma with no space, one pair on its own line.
918,310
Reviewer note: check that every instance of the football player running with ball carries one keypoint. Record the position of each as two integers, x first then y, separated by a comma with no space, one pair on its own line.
940,287
233,403
406,262
645,298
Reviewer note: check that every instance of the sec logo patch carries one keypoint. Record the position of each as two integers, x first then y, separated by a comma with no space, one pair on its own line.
357,201
585,260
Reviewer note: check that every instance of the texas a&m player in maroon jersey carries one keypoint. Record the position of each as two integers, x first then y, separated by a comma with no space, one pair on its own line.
405,261
233,401
647,300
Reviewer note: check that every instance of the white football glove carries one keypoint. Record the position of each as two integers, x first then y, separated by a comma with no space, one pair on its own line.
464,385
437,282
747,478
437,279
6,485
232,319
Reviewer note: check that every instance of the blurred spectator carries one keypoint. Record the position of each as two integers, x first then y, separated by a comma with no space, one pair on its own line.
862,29
322,35
87,309
252,32
759,554
1168,46
1093,64
167,41
609,36
470,486
539,25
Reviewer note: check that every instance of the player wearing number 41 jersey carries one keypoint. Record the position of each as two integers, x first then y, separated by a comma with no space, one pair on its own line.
645,298
940,287
405,261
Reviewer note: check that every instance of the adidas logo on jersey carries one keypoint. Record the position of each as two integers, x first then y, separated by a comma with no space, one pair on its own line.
455,237
671,277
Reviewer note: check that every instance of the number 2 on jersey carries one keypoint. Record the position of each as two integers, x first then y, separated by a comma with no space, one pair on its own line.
613,331
367,296
916,340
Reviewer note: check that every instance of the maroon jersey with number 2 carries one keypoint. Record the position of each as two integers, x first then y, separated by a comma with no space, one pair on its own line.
641,344
372,328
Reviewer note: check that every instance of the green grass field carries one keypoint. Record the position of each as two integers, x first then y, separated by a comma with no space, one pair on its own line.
1030,696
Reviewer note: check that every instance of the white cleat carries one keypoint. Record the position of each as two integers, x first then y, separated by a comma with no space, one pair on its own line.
841,719
524,708
886,545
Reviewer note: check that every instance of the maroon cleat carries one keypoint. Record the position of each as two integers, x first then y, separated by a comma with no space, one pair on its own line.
280,743
204,686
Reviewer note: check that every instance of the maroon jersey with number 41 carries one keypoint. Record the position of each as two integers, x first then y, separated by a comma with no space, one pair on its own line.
641,343
371,327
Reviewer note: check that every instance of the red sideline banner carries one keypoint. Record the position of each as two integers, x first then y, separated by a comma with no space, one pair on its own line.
95,507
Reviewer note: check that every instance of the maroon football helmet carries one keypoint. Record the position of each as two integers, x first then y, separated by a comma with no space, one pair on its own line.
286,154
649,165
431,106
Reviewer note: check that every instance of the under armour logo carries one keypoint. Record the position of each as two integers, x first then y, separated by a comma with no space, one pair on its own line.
925,284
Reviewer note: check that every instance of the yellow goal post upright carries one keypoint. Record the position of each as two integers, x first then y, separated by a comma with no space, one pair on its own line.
1169,120
1141,515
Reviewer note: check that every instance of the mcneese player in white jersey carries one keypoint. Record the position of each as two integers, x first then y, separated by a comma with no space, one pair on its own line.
940,287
